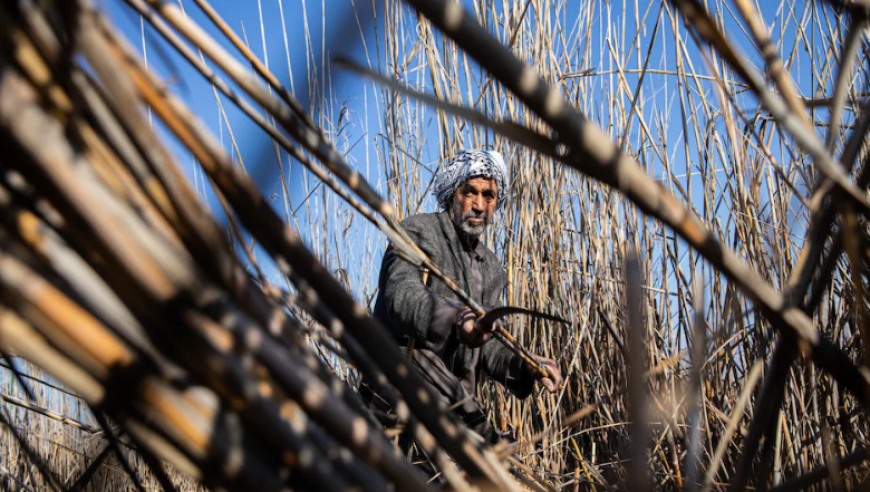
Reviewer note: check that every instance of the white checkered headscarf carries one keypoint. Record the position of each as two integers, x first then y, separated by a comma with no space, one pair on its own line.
469,164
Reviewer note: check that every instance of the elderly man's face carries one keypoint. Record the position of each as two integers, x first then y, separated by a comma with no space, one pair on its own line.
474,205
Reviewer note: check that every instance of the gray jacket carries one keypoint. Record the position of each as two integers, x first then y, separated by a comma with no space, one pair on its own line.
409,309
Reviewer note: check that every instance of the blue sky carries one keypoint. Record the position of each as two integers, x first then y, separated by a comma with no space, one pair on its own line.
351,31
347,34
266,29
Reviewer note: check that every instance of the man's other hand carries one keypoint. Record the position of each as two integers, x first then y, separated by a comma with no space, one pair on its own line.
470,332
553,383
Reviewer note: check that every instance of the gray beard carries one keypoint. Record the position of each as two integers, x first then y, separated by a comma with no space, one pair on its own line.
460,221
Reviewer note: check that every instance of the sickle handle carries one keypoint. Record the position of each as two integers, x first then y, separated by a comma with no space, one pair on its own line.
510,342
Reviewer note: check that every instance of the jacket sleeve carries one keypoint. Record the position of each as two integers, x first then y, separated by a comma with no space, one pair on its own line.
501,364
410,304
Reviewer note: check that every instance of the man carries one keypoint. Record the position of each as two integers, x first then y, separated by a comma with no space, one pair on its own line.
447,344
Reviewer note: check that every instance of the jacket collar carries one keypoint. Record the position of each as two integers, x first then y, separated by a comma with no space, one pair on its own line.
460,257
456,243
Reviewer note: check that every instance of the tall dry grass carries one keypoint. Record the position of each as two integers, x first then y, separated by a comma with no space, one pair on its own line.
684,114
688,118
61,428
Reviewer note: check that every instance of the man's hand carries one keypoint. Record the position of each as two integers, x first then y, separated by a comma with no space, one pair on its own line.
553,383
470,332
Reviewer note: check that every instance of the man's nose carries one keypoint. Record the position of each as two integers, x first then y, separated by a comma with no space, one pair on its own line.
477,203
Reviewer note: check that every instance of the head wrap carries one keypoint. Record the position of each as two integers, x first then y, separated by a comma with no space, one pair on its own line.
469,164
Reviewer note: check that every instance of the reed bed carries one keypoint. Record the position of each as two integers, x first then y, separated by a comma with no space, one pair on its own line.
684,193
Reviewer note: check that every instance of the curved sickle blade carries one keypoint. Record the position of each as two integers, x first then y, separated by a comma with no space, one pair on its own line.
500,312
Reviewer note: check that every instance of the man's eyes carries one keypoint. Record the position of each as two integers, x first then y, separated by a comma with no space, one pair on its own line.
487,195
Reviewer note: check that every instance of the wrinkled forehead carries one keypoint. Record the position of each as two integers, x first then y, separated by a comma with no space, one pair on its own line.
480,183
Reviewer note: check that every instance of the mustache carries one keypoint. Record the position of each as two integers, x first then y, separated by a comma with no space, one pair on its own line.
474,214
